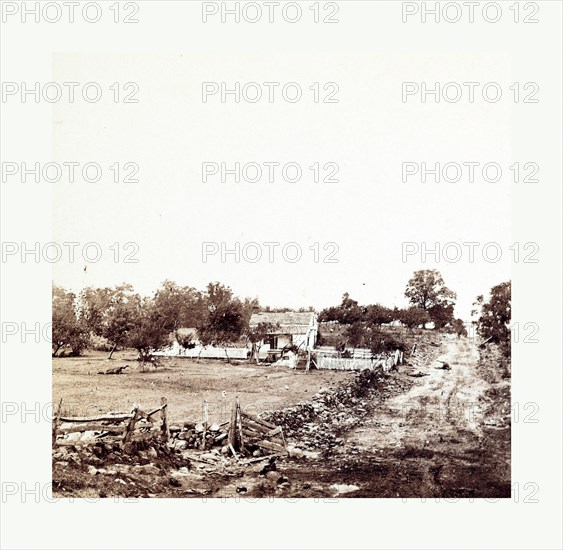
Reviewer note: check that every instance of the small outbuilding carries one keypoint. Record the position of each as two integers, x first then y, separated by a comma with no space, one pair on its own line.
291,328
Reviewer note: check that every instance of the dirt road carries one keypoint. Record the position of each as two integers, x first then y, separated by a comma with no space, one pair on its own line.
430,441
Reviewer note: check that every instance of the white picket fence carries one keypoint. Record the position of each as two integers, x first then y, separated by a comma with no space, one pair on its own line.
329,362
339,363
208,352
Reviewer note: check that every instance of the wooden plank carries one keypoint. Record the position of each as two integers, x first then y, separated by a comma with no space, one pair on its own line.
258,420
90,441
233,450
275,431
271,446
164,432
93,428
239,426
103,418
65,443
57,421
283,439
205,419
257,427
252,436
258,459
233,427
131,426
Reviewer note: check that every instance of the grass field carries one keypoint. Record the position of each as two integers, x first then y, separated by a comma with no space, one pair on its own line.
185,383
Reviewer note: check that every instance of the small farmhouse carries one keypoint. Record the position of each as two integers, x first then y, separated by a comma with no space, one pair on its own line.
290,328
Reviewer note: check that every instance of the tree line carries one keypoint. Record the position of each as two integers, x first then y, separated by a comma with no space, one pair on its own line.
430,300
124,319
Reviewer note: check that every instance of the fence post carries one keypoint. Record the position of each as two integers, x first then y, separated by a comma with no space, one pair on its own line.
233,426
164,417
131,425
57,422
205,422
239,423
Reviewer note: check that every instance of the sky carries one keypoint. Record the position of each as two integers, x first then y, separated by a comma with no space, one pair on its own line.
360,222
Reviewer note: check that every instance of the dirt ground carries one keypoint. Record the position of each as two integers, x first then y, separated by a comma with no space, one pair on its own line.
185,383
444,434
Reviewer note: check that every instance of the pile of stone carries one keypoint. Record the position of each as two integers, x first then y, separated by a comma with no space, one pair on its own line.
317,424
245,435
199,436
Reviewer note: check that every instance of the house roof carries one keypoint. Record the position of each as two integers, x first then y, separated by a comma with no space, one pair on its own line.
290,322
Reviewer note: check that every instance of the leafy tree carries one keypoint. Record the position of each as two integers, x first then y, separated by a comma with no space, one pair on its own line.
378,314
179,306
412,317
67,328
94,304
120,316
346,313
427,290
224,321
441,315
355,334
149,329
493,323
459,328
380,341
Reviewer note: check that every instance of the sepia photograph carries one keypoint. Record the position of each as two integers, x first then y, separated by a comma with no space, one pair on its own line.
299,342
281,274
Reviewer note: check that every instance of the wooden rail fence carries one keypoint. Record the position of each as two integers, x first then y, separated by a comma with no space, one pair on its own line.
112,428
